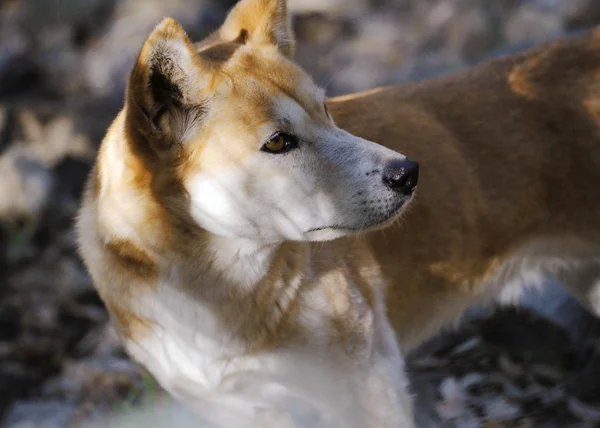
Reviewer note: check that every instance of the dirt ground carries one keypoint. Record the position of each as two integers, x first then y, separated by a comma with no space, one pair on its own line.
63,65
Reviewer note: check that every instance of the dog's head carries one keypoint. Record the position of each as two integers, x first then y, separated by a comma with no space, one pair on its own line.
247,135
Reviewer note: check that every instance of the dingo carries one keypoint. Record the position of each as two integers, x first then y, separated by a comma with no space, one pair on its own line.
241,240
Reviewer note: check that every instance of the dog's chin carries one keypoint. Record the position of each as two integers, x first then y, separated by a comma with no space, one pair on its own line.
328,233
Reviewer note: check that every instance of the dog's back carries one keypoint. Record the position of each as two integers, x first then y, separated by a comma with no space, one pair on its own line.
511,158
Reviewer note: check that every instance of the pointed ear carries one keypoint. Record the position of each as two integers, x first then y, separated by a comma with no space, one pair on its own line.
164,94
260,22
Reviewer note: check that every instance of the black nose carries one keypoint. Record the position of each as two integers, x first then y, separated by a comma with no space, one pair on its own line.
401,175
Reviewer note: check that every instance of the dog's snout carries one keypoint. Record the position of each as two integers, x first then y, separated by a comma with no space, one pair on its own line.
401,175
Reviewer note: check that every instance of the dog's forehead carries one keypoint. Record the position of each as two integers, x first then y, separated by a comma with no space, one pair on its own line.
269,78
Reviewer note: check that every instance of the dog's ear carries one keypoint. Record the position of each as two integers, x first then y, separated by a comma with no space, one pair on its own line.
165,102
260,23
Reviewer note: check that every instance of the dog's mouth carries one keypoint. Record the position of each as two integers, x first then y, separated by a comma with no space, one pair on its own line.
380,221
365,228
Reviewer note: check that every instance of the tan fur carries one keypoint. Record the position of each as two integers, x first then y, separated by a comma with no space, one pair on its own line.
268,20
510,153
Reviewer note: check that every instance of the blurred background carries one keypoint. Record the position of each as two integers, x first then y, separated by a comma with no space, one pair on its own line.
63,65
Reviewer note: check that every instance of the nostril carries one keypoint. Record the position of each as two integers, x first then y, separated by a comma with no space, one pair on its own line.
409,182
401,176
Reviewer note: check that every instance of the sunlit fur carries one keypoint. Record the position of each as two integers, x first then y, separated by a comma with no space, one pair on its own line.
259,287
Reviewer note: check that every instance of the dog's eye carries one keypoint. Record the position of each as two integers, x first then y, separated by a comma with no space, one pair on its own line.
280,143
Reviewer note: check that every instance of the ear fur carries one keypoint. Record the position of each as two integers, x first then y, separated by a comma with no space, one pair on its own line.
260,23
164,94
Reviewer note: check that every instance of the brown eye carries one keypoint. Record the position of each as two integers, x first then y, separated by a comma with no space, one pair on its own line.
280,143
276,143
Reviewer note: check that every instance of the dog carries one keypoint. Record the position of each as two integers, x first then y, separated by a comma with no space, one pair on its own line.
265,253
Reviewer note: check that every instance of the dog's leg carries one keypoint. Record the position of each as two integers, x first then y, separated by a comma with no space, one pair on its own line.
386,397
584,284
386,393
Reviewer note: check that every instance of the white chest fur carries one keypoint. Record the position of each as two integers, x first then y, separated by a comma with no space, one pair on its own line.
202,365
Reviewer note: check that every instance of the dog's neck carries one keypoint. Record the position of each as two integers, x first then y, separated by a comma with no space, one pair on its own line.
260,283
240,263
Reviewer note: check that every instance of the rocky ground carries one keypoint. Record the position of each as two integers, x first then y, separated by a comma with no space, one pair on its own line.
515,368
63,65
